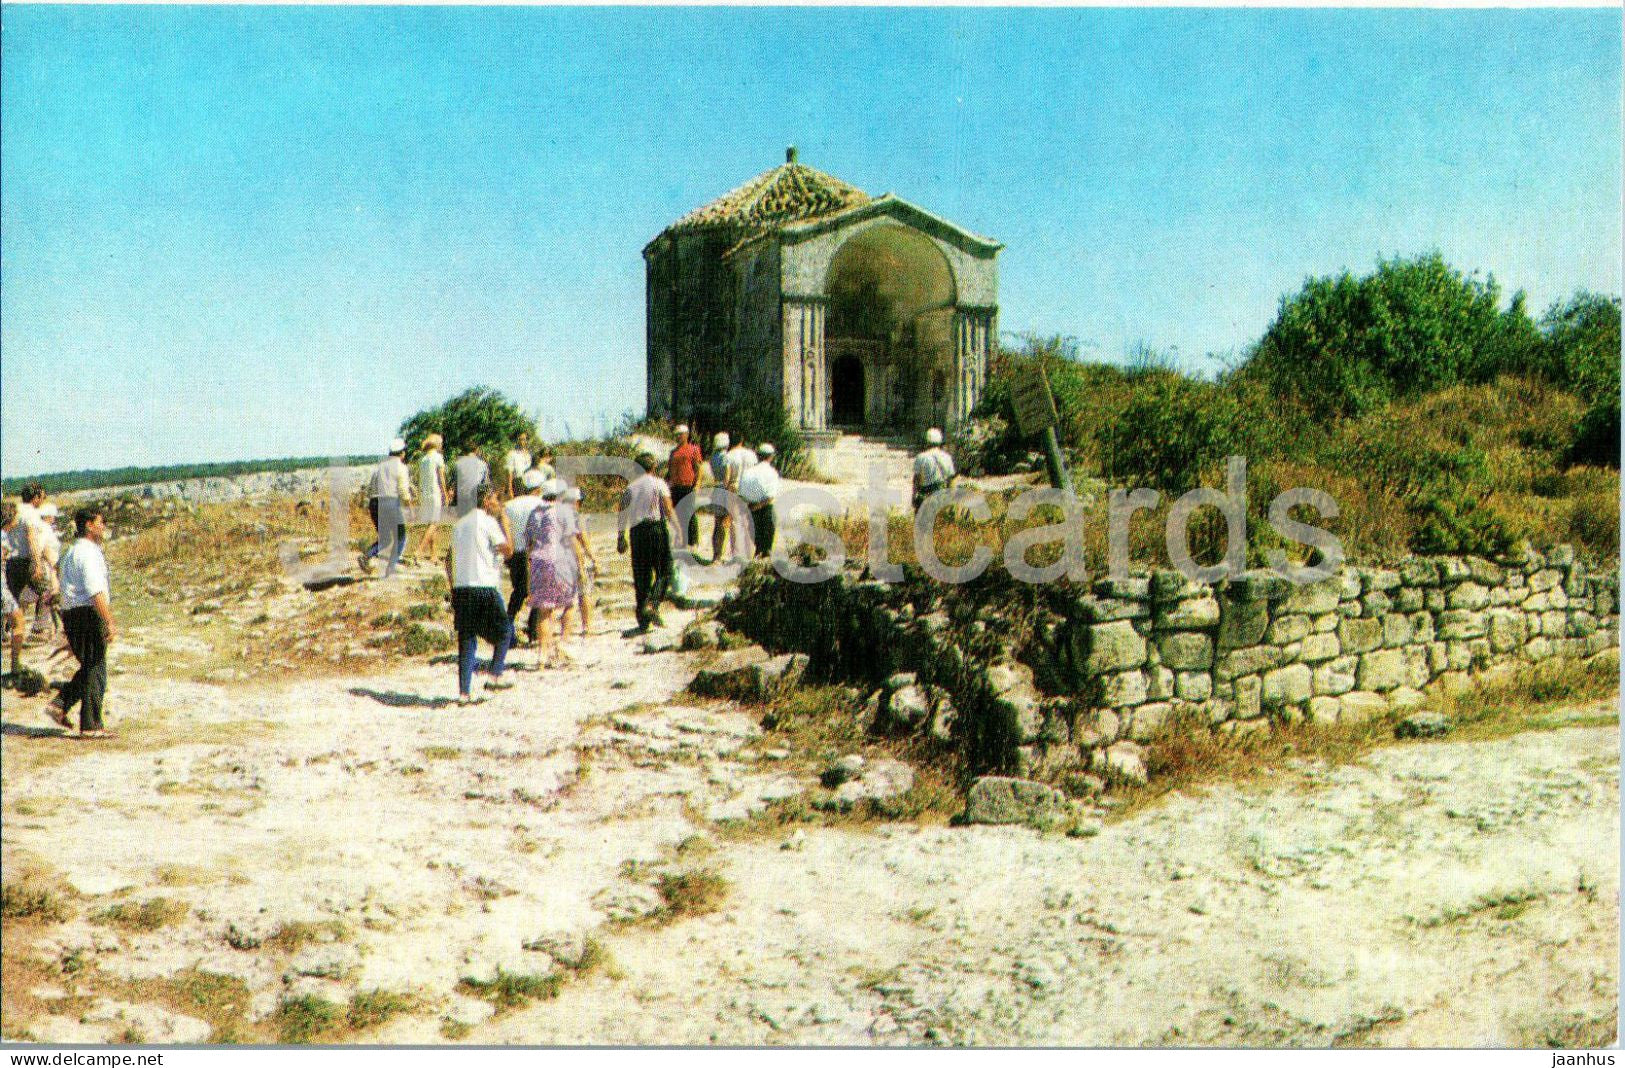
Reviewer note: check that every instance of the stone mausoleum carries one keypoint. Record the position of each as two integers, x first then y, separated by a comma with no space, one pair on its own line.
865,314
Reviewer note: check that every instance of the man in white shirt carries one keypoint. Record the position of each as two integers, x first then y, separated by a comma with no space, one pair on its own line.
933,468
87,617
472,472
479,544
388,494
759,486
517,463
518,511
646,513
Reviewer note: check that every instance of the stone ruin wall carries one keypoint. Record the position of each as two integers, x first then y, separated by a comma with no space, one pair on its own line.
1134,656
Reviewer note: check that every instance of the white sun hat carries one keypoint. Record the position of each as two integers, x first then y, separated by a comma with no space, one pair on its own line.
553,489
534,478
765,449
682,428
933,436
721,441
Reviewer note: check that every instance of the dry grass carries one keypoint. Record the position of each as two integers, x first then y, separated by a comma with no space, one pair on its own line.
150,915
1189,757
695,892
511,990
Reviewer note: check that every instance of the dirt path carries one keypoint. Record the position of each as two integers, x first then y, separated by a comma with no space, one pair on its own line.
329,837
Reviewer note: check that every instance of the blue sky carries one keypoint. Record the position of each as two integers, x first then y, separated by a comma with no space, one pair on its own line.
244,232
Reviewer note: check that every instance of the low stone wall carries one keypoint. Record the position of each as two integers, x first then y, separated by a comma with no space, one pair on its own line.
1128,657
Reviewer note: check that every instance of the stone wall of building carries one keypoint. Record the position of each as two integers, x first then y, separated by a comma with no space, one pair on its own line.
1134,657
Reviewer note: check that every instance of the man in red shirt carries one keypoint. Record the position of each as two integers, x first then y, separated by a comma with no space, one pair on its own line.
683,474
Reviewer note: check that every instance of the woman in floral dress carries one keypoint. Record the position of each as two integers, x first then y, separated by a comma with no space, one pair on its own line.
556,545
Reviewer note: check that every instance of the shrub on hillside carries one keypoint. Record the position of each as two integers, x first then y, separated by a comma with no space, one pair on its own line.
1596,435
1580,345
477,420
1348,345
1170,429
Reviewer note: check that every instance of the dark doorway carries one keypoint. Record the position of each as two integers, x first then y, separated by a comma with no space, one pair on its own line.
846,392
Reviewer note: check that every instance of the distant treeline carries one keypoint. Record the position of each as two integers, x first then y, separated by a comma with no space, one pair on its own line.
70,481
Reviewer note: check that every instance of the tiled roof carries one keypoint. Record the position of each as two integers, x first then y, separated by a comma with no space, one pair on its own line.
787,193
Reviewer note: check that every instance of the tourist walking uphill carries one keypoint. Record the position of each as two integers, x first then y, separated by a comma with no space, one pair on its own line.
683,475
516,464
518,511
431,495
646,511
933,468
23,563
87,616
557,548
479,544
759,486
473,473
388,495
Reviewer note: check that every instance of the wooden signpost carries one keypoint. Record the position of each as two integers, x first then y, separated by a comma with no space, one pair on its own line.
1035,416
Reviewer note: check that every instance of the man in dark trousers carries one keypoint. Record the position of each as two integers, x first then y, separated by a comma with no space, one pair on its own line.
683,474
87,617
646,511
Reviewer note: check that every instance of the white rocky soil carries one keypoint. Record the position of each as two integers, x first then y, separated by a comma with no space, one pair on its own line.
1438,894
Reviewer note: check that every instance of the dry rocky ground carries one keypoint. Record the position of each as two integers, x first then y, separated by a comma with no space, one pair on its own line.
583,859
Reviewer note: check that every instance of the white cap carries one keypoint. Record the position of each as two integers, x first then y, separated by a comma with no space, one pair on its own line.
721,440
554,488
397,445
573,494
765,449
534,478
933,436
682,428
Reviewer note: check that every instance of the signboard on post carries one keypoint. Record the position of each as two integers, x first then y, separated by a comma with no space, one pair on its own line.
1035,417
1031,398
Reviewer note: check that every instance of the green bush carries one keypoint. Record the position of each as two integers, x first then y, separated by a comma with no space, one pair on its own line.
1348,345
764,419
1596,436
1580,345
1170,429
477,420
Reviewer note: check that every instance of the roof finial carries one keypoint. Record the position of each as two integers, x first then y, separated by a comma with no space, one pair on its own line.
790,154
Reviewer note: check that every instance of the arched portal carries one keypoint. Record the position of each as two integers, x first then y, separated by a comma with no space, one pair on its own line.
889,329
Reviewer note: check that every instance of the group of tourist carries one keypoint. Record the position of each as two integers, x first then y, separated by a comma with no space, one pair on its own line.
68,588
530,528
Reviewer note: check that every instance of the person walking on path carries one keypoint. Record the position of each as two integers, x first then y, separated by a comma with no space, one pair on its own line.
87,616
646,514
717,465
431,495
472,473
23,565
759,487
388,495
572,500
683,474
46,593
479,544
735,463
13,608
933,468
519,510
558,550
516,464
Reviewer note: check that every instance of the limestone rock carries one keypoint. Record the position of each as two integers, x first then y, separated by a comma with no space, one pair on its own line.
1112,647
1193,685
1360,705
998,799
1423,725
1197,613
1359,635
1186,651
1122,762
1383,670
1287,686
